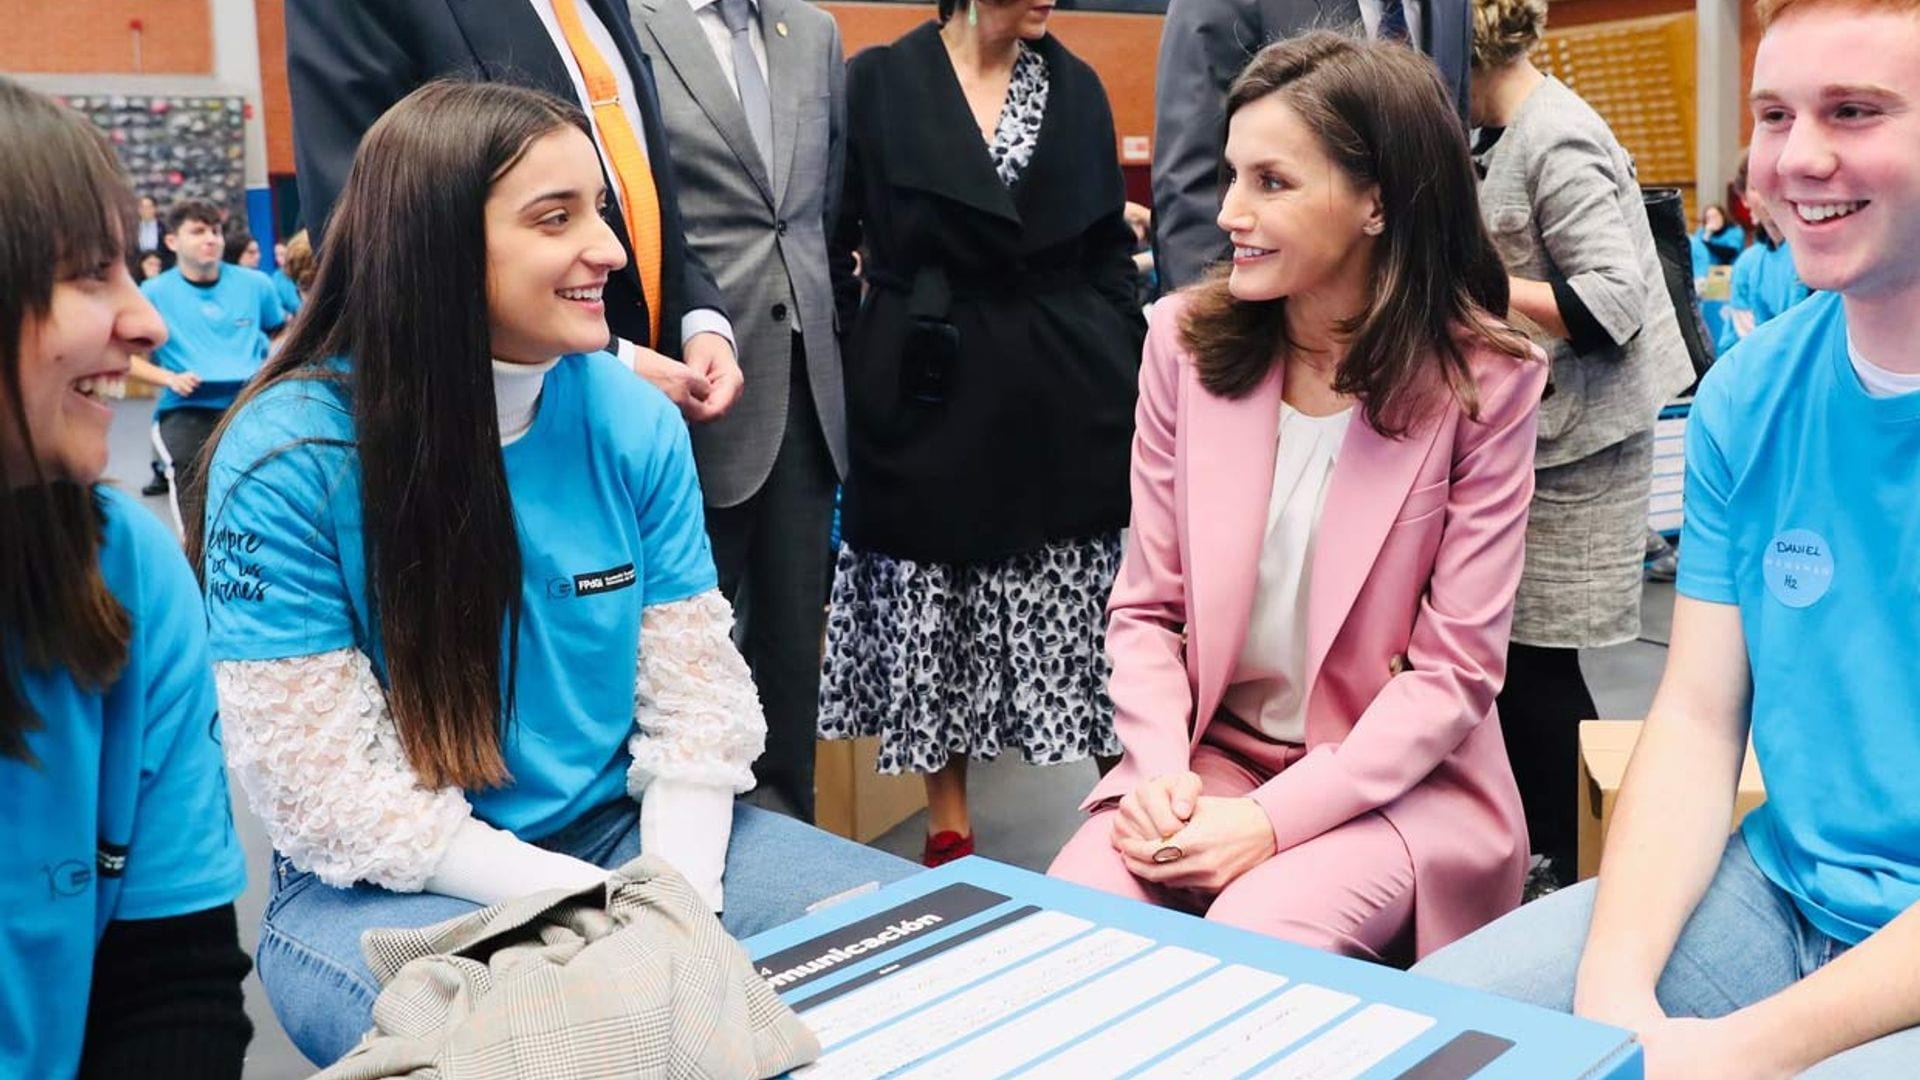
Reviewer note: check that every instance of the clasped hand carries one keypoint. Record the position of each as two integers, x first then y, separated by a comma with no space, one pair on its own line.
1216,840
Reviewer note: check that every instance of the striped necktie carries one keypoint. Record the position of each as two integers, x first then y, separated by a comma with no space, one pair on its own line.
639,199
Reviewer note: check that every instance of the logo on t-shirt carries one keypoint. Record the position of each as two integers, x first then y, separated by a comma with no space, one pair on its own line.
70,878
599,581
1798,567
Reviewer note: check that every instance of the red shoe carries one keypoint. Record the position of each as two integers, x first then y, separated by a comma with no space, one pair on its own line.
944,847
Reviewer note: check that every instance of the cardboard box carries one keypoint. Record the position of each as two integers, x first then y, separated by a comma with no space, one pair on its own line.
852,800
1605,746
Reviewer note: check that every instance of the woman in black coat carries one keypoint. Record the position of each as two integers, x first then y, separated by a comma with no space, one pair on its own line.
991,373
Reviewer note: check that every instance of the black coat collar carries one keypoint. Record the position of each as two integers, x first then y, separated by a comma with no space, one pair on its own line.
929,141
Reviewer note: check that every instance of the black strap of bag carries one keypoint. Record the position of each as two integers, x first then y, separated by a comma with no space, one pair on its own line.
1667,215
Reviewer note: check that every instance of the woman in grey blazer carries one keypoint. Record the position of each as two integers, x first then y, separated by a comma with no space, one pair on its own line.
1563,205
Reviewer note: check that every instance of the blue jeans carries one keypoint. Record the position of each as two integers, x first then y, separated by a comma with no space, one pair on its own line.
322,990
1746,941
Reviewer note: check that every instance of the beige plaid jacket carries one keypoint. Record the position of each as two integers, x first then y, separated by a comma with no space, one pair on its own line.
631,979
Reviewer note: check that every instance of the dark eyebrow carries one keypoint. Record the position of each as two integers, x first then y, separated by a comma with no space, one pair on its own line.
562,195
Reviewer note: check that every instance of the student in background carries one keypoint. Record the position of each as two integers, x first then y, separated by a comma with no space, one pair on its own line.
1765,282
119,955
293,271
1722,238
150,233
1788,948
242,249
428,719
1330,480
220,318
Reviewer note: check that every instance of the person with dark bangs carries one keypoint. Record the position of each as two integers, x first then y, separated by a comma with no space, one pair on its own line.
1330,485
466,624
119,954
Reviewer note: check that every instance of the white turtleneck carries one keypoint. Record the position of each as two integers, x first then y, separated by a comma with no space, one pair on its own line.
516,394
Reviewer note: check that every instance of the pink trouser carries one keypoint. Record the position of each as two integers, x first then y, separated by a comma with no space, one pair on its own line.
1348,890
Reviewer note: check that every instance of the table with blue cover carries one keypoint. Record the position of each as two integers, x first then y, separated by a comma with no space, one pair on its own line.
982,970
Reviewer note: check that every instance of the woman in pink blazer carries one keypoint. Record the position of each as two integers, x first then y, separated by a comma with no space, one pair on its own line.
1331,471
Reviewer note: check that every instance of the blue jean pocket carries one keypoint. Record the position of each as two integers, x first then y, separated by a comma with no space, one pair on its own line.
285,882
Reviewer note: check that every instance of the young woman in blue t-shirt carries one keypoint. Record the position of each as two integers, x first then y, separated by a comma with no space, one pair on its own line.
118,949
463,610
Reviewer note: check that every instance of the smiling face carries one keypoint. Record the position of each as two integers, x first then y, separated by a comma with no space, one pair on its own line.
1299,225
72,361
549,252
1836,146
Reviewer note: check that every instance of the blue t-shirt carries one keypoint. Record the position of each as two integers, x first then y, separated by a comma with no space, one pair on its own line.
1702,258
126,815
217,331
287,291
609,521
1765,283
1730,235
1801,510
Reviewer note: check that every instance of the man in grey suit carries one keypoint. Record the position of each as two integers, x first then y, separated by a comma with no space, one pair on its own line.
753,92
1204,44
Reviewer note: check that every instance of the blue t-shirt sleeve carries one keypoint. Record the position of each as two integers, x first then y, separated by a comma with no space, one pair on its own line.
183,855
275,584
1706,558
1740,286
273,314
666,492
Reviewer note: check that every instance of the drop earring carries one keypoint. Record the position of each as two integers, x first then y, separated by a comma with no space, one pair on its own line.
973,14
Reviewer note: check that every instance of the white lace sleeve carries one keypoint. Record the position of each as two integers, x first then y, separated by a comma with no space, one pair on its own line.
694,704
313,746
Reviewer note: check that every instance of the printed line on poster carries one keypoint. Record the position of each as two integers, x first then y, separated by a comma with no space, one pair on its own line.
1352,1046
960,1016
1163,1025
919,981
1256,1036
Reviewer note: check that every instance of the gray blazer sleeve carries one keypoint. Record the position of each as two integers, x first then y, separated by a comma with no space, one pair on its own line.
1577,208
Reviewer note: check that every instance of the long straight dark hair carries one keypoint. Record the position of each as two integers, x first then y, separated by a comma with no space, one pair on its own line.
1384,119
64,210
401,293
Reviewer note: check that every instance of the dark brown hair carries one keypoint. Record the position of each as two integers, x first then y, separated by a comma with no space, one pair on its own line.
1385,121
64,209
194,210
442,556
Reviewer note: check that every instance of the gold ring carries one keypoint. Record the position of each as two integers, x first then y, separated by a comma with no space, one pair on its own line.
1168,854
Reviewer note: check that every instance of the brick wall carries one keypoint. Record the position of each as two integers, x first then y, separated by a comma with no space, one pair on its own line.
271,23
92,37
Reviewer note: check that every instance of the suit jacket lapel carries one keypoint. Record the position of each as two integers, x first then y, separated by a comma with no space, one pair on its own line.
1229,478
785,64
1370,484
683,43
510,44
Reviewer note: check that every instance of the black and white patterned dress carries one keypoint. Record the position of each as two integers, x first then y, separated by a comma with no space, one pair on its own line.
939,659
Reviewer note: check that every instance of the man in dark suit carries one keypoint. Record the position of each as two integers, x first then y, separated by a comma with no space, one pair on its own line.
1204,44
349,60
